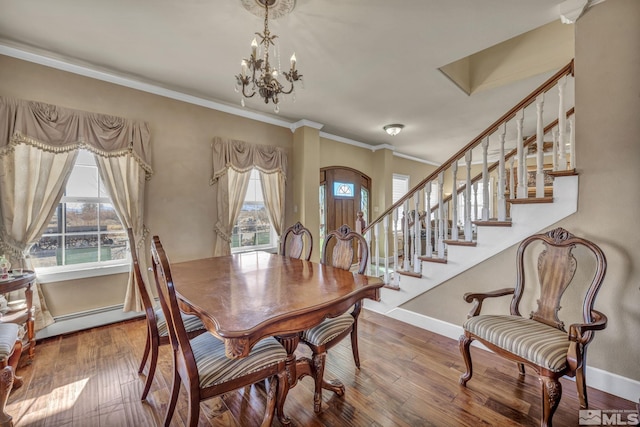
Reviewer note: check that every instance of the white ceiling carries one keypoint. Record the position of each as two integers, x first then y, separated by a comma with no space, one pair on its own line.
366,63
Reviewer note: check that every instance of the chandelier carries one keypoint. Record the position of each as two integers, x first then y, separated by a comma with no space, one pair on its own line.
258,74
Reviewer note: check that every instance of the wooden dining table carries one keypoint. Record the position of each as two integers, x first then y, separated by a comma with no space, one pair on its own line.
246,297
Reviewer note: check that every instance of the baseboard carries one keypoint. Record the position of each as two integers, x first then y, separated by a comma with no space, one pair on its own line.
599,379
85,320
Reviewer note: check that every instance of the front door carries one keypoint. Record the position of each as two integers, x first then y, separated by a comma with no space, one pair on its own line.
346,192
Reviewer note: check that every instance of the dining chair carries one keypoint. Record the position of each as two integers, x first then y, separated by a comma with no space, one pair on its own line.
201,363
10,351
337,251
541,341
157,331
296,242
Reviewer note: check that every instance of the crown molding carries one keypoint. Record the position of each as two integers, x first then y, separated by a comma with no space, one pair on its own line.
105,76
138,85
304,122
415,159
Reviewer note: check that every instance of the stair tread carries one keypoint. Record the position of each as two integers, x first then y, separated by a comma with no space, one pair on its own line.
530,200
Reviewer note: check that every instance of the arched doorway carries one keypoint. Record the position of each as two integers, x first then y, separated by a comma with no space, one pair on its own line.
343,193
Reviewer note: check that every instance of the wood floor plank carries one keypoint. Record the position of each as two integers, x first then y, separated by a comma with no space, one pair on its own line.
408,377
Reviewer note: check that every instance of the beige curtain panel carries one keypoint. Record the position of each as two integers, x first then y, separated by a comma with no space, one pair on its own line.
38,147
232,163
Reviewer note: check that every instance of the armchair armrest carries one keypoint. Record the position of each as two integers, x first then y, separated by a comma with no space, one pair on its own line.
478,298
577,331
580,334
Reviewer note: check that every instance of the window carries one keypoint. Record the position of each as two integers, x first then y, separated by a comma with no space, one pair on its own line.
364,204
400,187
342,189
85,230
253,230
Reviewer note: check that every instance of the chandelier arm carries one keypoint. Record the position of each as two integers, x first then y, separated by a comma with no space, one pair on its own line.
263,79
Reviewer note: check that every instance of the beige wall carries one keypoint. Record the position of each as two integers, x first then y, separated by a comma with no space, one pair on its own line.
180,205
607,108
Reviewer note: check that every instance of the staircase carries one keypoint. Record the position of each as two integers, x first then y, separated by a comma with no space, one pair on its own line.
446,225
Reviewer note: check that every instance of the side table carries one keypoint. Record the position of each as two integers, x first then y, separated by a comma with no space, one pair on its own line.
22,315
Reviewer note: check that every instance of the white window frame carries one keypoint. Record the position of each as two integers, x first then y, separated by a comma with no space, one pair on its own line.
87,269
399,179
273,237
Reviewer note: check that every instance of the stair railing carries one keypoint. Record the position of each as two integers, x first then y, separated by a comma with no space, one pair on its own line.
433,219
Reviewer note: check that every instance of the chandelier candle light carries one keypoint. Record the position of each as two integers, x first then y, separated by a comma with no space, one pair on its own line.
257,75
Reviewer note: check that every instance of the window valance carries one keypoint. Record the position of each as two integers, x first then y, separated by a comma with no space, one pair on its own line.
58,129
243,156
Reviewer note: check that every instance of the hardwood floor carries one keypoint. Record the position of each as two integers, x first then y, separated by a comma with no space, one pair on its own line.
409,377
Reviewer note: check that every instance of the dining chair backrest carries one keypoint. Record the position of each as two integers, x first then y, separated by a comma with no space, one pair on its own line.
169,303
297,242
142,290
343,255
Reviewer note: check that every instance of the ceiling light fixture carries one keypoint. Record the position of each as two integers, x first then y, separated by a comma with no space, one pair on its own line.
257,74
393,129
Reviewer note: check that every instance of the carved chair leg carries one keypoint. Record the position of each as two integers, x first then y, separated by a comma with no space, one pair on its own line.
551,394
194,404
152,368
581,384
270,388
6,383
354,344
521,368
464,342
147,345
175,390
319,360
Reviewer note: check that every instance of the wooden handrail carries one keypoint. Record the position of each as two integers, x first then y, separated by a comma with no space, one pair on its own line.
528,100
494,165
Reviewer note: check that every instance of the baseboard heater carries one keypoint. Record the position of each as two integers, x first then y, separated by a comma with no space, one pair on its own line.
75,322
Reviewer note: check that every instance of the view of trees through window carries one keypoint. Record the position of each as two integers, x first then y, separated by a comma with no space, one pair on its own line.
84,227
253,228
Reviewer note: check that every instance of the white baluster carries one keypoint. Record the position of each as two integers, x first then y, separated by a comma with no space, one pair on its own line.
441,224
376,233
447,231
454,199
562,126
572,144
475,200
417,264
396,267
406,256
502,202
485,180
512,179
386,248
468,231
429,249
540,145
522,164
367,238
554,136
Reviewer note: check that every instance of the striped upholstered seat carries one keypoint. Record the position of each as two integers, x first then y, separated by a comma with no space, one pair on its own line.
328,329
540,342
214,367
536,342
201,363
191,323
9,333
